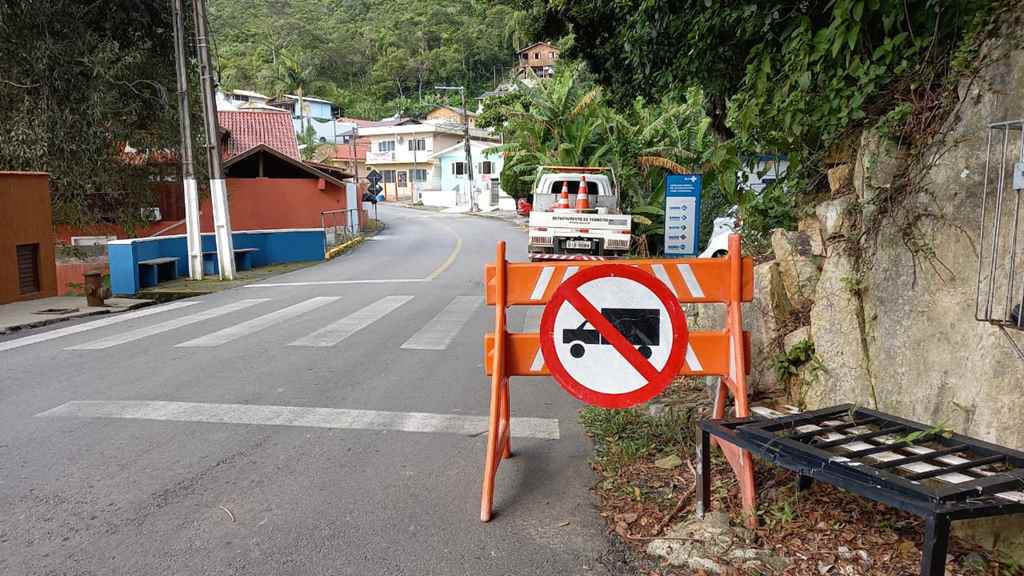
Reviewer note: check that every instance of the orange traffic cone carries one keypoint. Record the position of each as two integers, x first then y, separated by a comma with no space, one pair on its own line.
563,198
583,196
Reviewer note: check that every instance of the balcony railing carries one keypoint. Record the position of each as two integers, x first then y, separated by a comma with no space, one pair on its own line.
400,156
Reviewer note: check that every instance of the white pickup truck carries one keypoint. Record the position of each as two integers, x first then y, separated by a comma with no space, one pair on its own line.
560,233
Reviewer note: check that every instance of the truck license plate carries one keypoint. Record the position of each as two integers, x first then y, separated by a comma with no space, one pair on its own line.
578,244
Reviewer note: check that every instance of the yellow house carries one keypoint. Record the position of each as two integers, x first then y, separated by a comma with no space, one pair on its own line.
449,115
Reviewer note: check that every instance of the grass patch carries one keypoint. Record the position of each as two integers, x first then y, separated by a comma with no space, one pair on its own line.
621,437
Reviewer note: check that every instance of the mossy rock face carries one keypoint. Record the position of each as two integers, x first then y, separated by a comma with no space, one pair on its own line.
893,313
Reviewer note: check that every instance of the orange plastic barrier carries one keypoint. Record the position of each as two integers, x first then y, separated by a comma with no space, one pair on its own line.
727,281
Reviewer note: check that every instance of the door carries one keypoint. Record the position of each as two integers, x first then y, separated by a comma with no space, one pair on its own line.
403,183
28,268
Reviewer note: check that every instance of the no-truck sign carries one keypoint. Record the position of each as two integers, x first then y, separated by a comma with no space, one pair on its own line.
613,336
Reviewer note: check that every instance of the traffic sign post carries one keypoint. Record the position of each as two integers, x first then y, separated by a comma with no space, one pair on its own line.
613,336
682,214
374,178
622,304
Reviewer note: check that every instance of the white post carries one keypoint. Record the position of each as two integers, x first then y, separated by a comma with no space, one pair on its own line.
222,228
188,178
192,231
218,187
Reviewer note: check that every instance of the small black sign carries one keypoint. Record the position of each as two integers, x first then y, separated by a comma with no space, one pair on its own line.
374,177
375,189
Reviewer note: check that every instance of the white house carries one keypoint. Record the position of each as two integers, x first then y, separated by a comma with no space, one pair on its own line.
409,155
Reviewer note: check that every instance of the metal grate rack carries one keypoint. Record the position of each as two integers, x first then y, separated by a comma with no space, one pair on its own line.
1000,289
920,469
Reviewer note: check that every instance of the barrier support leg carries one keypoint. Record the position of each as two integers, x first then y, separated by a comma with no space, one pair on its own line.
740,460
498,429
506,417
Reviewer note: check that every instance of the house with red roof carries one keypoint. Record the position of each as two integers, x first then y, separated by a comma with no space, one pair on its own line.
243,129
270,187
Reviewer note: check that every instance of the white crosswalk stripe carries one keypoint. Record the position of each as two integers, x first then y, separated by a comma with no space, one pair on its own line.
108,321
441,330
338,418
334,333
259,323
167,326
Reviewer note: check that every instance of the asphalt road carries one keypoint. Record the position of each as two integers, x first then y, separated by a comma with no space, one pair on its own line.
325,424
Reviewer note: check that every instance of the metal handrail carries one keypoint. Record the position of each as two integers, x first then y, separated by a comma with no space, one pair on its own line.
992,304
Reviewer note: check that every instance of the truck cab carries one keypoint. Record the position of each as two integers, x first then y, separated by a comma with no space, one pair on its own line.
564,233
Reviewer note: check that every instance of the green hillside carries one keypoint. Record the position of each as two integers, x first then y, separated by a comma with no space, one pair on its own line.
372,57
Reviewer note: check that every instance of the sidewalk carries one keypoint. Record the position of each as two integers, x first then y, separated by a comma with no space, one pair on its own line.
32,313
506,215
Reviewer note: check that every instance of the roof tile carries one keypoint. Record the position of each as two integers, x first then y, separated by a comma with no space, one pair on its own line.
247,129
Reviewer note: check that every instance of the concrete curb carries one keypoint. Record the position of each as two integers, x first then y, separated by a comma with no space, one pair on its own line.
342,248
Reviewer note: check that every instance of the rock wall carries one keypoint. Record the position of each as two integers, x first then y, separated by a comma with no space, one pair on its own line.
893,313
885,276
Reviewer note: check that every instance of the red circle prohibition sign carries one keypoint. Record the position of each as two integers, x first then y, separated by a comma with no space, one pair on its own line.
656,380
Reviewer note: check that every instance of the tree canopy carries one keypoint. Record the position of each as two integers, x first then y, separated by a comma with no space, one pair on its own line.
79,81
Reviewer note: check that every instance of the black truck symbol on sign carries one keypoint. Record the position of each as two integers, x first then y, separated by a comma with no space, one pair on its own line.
640,326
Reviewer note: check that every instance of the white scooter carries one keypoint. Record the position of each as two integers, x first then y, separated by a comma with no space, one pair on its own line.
718,245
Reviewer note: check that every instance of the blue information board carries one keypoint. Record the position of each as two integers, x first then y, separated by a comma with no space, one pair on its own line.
682,213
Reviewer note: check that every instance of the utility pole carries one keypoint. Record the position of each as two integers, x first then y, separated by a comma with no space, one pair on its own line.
469,152
352,143
218,188
188,177
412,175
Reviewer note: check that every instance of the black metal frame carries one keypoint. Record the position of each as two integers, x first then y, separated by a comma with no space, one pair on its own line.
779,441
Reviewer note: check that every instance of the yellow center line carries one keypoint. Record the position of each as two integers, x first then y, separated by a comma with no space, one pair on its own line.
451,257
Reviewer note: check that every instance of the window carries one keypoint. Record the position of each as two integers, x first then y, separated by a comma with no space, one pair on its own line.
403,179
486,167
389,176
418,144
28,268
459,168
553,55
386,146
419,175
536,55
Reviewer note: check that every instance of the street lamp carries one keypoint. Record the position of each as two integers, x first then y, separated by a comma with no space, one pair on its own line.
469,154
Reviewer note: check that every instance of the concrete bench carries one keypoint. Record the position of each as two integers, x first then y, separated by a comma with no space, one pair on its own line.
243,260
156,270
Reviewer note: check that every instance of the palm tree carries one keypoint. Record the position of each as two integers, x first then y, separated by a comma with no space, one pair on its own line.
295,74
566,121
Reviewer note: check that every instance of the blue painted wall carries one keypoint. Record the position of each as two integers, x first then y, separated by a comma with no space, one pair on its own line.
277,247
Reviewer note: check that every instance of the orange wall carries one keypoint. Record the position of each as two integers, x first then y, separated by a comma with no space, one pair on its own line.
274,203
72,272
25,218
